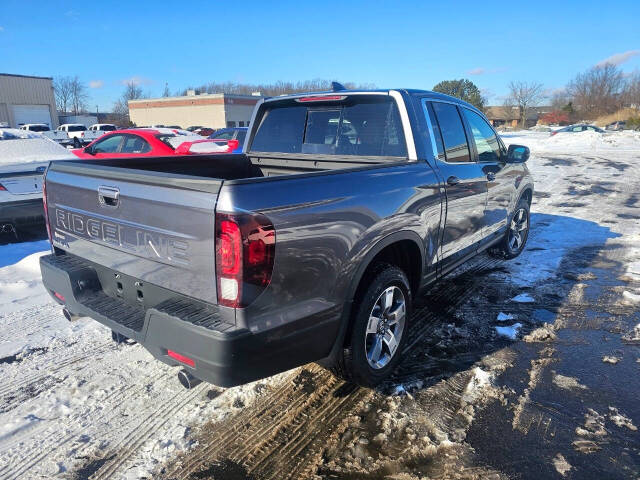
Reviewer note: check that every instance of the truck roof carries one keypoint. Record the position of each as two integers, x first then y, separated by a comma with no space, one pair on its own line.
386,91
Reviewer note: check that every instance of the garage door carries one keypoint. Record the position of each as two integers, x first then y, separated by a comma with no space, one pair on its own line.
31,114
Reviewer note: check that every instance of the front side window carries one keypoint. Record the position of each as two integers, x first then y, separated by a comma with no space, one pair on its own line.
453,134
108,145
77,128
107,128
358,125
484,137
135,144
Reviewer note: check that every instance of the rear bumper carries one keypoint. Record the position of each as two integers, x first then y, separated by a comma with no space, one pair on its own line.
22,212
223,354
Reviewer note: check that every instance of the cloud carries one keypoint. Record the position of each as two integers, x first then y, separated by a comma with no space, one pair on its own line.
136,80
1,28
618,58
482,71
96,84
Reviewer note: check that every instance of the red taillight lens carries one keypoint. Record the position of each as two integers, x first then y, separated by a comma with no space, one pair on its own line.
245,251
181,358
232,145
2,188
321,98
46,210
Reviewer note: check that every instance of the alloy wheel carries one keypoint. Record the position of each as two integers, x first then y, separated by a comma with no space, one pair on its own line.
385,327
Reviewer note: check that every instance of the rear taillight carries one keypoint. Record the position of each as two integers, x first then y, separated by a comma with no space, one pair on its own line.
245,250
46,210
2,188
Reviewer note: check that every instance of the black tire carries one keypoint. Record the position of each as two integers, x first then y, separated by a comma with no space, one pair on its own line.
508,247
353,364
76,142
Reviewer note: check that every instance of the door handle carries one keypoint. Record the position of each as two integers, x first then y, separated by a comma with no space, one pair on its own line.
491,176
453,180
108,196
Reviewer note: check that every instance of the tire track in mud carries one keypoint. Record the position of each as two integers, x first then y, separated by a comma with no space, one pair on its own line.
284,433
26,463
280,435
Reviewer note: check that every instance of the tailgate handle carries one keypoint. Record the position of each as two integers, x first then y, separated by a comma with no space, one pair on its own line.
108,196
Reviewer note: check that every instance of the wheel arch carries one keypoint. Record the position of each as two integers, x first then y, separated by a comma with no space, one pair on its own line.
384,250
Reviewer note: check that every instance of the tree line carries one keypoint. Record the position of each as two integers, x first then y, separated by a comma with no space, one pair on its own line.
601,90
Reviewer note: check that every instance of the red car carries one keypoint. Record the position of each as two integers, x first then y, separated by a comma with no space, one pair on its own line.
154,142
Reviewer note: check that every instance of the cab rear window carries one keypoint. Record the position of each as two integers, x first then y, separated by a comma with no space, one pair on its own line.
360,125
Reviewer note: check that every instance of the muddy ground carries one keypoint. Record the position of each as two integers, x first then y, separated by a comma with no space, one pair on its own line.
560,400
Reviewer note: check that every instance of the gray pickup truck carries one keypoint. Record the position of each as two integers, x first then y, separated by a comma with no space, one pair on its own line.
307,248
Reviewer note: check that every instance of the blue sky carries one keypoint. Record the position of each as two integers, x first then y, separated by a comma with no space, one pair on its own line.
389,44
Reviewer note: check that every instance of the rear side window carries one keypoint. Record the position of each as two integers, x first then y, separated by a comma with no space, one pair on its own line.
135,144
77,128
453,135
484,137
361,125
107,128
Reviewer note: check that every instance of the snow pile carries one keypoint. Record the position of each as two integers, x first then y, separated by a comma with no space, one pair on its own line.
579,142
523,298
21,283
503,317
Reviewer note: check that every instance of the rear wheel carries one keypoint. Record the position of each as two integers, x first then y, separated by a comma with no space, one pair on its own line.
76,142
517,233
379,328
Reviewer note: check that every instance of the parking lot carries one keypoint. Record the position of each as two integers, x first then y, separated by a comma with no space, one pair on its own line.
521,369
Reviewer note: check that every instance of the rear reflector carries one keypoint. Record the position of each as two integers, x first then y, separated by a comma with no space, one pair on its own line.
59,296
181,358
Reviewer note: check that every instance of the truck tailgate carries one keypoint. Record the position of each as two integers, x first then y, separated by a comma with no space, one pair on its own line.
153,226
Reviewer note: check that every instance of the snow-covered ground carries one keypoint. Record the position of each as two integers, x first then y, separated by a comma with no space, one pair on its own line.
73,403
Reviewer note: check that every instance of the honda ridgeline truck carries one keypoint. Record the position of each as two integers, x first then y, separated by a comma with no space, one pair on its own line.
309,247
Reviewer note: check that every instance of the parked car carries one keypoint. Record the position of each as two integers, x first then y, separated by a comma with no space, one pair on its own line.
74,132
95,131
617,126
232,133
310,247
150,142
577,129
43,129
204,131
24,156
193,128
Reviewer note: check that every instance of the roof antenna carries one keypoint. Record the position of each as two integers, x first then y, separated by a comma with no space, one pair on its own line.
337,87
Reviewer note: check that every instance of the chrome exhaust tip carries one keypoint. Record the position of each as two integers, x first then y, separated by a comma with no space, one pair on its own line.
70,316
187,380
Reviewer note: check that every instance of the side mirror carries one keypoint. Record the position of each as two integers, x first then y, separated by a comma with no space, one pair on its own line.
517,154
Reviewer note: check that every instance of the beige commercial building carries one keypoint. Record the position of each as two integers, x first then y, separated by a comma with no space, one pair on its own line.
26,99
215,110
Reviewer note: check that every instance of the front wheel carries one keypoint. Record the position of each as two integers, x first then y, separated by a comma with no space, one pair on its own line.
517,233
379,328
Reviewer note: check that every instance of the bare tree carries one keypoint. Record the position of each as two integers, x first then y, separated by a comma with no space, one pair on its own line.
166,92
523,96
121,106
597,91
270,89
79,96
62,88
631,92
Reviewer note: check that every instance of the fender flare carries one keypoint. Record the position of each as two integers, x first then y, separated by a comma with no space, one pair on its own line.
357,278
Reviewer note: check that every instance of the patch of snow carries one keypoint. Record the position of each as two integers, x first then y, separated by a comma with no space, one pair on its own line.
632,297
568,383
510,331
503,317
620,419
523,298
561,465
542,334
610,359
